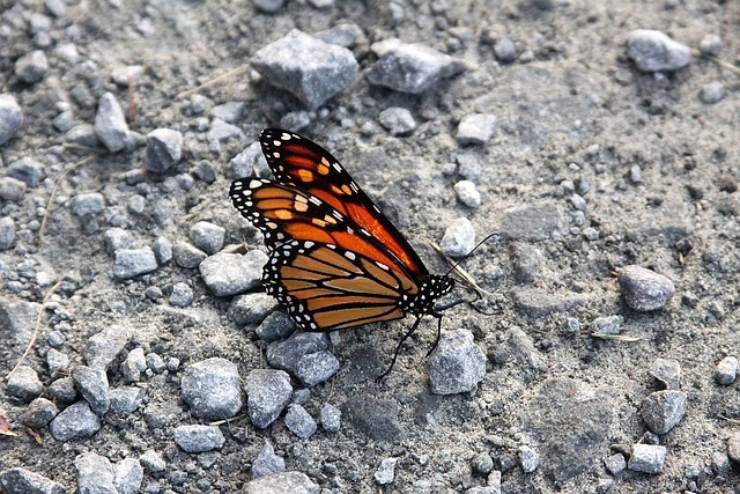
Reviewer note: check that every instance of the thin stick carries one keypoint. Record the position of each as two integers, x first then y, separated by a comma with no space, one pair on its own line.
732,421
616,337
36,327
459,270
58,181
213,82
716,60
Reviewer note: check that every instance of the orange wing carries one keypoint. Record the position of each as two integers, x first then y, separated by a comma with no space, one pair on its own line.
300,162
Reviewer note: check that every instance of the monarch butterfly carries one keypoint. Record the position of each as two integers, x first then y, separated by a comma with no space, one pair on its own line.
335,260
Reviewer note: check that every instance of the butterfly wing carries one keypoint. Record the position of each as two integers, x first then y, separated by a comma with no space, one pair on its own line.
306,165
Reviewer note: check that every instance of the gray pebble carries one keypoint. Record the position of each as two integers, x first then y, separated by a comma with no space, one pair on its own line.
345,34
296,120
63,390
645,290
654,51
11,117
64,121
615,464
57,362
77,421
128,476
251,308
182,295
469,166
27,170
93,386
330,418
32,67
283,64
207,236
199,438
267,462
39,413
125,399
134,365
269,6
116,239
229,274
663,410
733,447
726,371
411,68
712,92
105,346
467,193
21,481
572,326
281,483
12,189
288,353
505,50
94,474
231,111
277,326
483,463
7,232
710,45
477,128
591,234
212,389
24,384
299,422
204,172
647,458
155,363
187,255
129,263
152,461
608,324
268,393
528,459
459,238
110,124
398,121
88,204
667,372
163,150
248,162
386,472
162,250
85,135
457,365
315,368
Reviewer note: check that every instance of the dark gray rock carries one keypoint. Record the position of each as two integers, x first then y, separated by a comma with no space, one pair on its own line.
199,438
93,386
536,302
229,274
299,422
533,222
378,419
182,295
88,204
27,170
95,474
207,236
397,121
268,393
663,410
105,346
21,481
39,413
315,368
128,476
125,399
163,150
77,421
476,128
162,248
645,290
457,364
11,189
17,318
152,461
187,255
459,238
277,326
647,458
287,354
251,308
571,422
668,372
24,384
7,232
212,389
330,418
129,263
608,324
654,51
63,390
267,462
11,117
345,34
32,67
110,124
281,483
386,472
726,371
411,68
311,70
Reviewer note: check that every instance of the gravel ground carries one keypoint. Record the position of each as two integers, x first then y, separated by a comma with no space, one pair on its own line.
598,140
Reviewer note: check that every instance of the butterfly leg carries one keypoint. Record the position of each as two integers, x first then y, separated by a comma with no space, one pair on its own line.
439,332
398,349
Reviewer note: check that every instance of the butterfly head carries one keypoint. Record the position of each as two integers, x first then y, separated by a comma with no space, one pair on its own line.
430,290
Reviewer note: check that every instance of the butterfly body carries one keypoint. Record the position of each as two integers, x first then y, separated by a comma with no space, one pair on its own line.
335,260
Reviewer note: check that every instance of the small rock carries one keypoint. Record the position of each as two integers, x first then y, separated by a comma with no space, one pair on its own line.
483,463
212,389
386,472
134,365
459,238
267,462
128,476
123,75
152,461
733,447
199,438
608,324
129,263
310,69
231,111
457,365
505,50
277,326
712,93
315,368
39,413
282,483
229,274
187,256
12,189
477,128
63,390
299,422
163,250
24,384
710,45
654,51
469,166
467,193
116,239
344,34
248,162
32,67
411,68
668,372
27,170
398,121
125,399
182,295
93,386
296,120
268,393
21,481
163,150
88,204
663,410
204,172
155,363
7,233
77,421
726,371
330,418
11,117
615,464
84,135
287,354
251,308
591,234
528,459
532,222
378,419
647,458
94,474
105,346
110,124
269,6
645,290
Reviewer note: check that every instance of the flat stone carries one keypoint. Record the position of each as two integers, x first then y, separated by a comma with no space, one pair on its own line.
268,393
315,368
654,51
457,365
378,419
668,372
77,421
110,124
647,458
299,422
287,354
267,462
532,222
311,70
95,474
93,386
11,117
199,438
125,399
645,290
230,274
24,384
282,483
212,389
105,346
130,263
207,237
663,410
187,255
21,481
128,476
477,128
251,308
537,302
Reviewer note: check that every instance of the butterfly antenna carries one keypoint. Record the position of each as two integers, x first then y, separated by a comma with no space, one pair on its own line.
455,266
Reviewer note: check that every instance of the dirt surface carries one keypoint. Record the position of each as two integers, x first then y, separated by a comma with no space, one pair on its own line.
653,166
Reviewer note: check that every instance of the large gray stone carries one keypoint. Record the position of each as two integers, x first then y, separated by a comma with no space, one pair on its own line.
229,274
645,290
95,474
647,458
212,389
77,421
457,364
128,476
654,51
